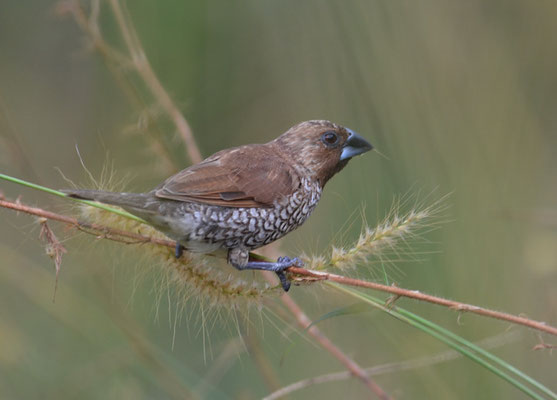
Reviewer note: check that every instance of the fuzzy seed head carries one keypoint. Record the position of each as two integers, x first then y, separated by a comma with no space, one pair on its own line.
193,276
373,242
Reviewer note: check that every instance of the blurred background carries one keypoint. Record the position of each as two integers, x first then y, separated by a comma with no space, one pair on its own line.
461,98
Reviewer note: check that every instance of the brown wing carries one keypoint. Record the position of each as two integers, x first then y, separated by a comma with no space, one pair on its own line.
247,176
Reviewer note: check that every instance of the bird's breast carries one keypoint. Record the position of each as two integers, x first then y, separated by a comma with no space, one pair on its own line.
205,228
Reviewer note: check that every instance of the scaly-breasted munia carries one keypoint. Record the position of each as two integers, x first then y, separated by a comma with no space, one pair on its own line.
245,197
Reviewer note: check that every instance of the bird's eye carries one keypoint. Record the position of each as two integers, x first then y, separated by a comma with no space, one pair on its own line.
330,139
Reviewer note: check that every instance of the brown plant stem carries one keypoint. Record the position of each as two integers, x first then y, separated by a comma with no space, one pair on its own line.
144,69
304,274
388,368
351,365
100,231
117,63
415,294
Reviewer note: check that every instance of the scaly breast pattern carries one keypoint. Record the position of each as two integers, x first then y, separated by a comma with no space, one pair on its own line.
251,227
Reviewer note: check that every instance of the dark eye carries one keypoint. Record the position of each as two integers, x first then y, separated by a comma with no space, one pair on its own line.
330,138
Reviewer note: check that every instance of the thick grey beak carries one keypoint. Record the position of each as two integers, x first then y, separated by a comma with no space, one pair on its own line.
355,145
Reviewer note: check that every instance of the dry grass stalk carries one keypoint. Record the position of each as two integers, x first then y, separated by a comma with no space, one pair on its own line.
374,242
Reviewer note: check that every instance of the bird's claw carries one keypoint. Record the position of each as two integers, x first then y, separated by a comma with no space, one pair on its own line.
179,250
277,267
285,283
284,263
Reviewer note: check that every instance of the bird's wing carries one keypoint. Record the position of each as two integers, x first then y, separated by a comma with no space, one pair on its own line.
248,176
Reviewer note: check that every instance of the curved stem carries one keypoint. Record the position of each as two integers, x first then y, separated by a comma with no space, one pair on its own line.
304,274
415,294
144,69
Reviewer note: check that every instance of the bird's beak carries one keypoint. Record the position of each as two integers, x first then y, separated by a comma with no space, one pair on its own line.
354,145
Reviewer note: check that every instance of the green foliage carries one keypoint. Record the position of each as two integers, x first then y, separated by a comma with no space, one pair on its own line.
458,95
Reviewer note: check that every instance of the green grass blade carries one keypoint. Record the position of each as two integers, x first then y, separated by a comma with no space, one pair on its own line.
459,344
61,194
482,352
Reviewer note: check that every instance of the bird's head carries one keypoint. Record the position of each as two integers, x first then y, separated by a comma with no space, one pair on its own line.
321,148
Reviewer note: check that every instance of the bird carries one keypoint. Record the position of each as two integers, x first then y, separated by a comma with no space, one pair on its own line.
245,197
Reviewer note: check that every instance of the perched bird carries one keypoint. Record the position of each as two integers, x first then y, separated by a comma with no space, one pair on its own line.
245,197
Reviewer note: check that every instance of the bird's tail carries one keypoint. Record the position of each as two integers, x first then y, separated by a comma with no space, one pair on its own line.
128,201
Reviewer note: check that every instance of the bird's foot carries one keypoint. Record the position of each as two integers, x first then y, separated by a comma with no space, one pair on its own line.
277,267
287,262
179,250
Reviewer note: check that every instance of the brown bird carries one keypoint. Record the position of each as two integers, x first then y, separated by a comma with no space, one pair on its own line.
245,197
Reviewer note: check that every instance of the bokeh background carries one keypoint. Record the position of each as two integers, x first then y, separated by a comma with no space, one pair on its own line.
461,96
